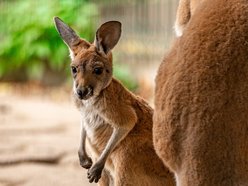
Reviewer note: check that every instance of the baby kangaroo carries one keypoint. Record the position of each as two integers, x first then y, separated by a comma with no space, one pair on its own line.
116,124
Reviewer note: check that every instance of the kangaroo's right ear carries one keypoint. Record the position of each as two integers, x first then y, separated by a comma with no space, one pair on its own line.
107,36
68,35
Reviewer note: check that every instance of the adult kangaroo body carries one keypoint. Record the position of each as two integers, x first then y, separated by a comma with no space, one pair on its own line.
201,98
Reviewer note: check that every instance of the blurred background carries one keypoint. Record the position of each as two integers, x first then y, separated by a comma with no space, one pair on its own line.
39,125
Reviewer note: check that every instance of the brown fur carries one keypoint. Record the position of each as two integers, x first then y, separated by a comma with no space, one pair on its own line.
201,102
112,107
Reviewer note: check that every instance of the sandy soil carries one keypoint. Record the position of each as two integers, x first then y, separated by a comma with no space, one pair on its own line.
39,137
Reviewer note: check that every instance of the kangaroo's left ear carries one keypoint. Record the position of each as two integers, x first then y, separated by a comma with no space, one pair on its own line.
67,33
107,36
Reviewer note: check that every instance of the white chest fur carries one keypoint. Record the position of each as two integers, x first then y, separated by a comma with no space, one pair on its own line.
92,121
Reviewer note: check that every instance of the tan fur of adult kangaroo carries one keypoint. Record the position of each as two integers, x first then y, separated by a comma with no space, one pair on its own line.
116,123
201,100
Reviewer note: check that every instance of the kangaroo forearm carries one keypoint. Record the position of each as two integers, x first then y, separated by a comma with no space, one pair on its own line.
81,149
117,136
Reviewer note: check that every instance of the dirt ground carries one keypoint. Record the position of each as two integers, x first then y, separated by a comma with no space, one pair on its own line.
39,136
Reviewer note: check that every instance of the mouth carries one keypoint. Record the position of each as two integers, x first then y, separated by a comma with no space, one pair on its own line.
85,96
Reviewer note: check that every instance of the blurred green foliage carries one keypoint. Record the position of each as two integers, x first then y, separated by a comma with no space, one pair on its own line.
30,46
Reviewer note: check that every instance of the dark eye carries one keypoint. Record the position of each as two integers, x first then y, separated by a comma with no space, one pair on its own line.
73,70
98,71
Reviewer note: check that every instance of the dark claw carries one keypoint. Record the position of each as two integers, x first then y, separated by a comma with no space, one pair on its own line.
91,179
96,180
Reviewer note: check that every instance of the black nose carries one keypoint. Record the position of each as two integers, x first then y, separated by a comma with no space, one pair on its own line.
80,94
83,92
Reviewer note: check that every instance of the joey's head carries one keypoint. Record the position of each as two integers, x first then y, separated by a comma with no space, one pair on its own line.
91,63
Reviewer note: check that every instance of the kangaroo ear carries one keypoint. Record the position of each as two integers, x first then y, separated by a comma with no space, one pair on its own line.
183,16
107,36
68,35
